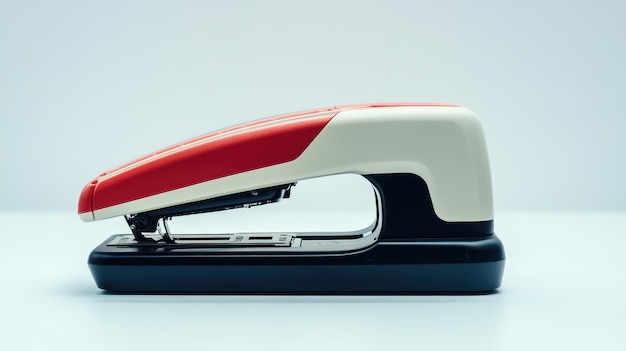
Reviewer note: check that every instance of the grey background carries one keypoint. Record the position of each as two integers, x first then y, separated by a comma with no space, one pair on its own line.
86,86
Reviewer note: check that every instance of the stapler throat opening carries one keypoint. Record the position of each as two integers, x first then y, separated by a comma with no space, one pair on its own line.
151,229
150,221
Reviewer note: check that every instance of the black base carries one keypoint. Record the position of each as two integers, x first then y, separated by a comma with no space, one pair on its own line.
422,266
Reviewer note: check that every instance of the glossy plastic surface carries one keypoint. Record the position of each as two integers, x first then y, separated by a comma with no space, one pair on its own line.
441,143
452,266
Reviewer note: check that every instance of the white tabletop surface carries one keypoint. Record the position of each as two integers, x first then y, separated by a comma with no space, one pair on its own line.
564,289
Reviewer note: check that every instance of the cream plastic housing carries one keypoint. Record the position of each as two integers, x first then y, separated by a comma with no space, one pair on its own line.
443,145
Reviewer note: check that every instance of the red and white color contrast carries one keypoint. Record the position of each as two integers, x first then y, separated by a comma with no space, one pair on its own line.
441,143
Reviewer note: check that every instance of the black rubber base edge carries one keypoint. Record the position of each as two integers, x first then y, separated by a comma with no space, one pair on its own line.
450,266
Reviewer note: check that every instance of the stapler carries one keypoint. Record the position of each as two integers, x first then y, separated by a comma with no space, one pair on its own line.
429,170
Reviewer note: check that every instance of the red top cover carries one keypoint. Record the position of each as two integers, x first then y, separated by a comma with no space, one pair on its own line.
219,154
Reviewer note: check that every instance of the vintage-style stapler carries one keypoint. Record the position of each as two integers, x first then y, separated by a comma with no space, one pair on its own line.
429,170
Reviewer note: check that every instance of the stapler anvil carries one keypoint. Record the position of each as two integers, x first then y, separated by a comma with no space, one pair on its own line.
428,166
